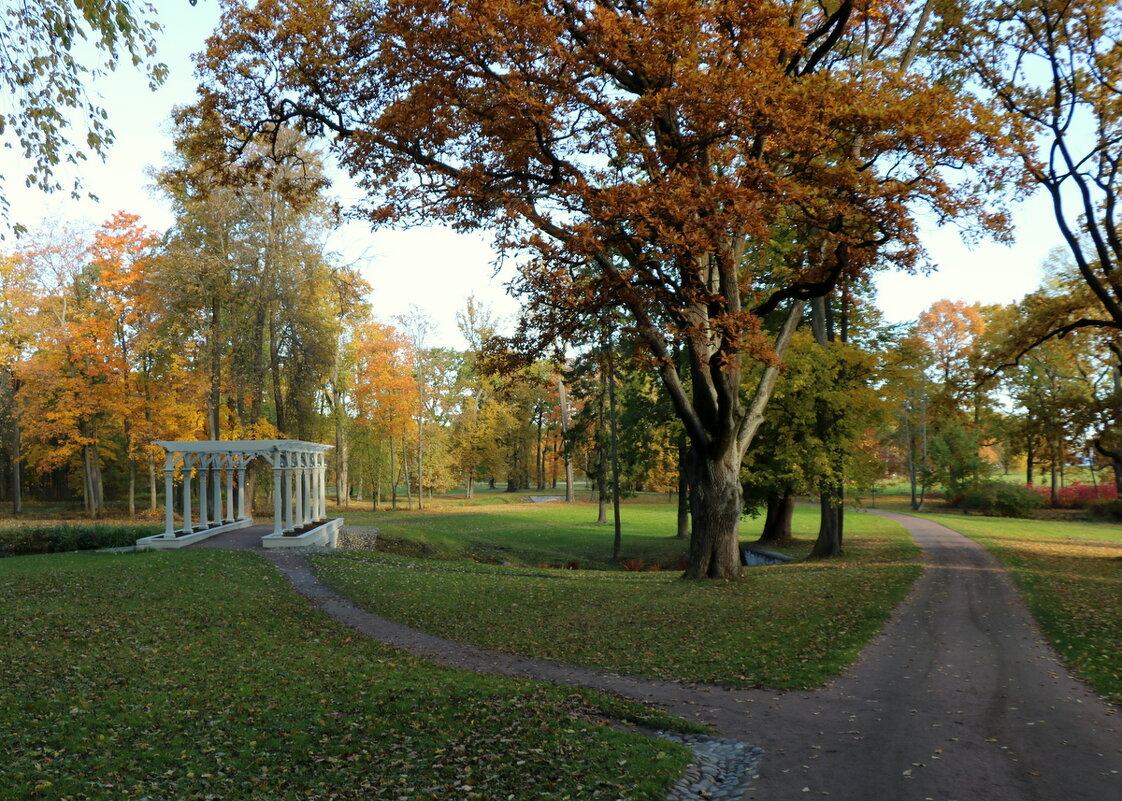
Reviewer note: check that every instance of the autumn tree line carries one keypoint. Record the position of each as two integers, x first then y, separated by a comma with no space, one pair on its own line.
701,191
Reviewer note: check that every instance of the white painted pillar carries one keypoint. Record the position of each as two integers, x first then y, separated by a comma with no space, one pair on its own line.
203,500
186,493
216,483
230,492
290,501
305,496
317,512
323,487
277,506
241,492
169,503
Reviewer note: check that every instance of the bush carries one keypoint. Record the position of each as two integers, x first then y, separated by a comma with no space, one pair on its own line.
1106,510
999,499
1078,495
57,537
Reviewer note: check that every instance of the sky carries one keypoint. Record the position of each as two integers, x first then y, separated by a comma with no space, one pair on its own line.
436,269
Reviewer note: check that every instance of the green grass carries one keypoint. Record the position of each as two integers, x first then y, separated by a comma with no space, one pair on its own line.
501,529
202,675
1071,577
790,626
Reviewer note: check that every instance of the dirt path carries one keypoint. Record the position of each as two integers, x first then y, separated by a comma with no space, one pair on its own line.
958,699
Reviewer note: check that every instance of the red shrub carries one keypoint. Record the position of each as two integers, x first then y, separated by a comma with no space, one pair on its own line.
632,565
1077,495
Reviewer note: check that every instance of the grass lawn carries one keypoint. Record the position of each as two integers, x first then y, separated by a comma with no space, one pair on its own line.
499,529
1071,576
788,626
202,675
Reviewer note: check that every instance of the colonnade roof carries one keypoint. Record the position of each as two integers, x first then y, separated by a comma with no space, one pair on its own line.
246,446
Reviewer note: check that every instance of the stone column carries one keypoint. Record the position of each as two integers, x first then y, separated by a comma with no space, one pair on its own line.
290,484
230,490
277,506
186,493
241,492
216,483
169,503
323,486
204,469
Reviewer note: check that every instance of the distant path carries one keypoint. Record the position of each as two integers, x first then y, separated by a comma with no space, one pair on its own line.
959,698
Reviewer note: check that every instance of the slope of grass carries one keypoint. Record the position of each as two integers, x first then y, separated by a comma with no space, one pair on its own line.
787,626
1071,577
201,675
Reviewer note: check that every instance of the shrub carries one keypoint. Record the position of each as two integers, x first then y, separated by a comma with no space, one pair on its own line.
1078,495
999,499
57,537
1106,509
632,565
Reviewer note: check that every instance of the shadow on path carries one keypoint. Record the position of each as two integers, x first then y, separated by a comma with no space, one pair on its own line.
957,699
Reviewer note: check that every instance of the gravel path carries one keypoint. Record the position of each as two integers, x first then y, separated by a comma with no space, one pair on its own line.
958,699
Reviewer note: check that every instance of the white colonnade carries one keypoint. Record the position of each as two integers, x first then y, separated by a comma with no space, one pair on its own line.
213,481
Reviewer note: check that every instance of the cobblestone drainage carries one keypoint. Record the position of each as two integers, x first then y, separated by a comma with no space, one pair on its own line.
721,769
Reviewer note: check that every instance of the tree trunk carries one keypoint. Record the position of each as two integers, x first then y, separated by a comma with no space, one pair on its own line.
132,488
830,530
342,467
405,476
420,464
393,479
152,502
716,502
1030,466
777,524
617,542
17,468
215,397
683,491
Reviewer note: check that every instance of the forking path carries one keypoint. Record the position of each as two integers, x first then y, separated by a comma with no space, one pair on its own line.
959,698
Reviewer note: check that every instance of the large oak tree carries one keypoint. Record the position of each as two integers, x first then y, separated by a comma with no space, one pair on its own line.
701,164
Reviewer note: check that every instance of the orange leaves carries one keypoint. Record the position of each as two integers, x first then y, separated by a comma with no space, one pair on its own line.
385,391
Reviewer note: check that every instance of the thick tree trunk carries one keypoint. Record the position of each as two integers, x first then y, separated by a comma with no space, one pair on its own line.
716,501
777,523
830,528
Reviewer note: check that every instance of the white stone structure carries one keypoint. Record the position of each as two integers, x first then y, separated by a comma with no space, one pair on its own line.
213,473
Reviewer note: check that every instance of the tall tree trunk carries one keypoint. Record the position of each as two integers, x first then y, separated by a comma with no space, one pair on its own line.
152,500
617,543
420,464
832,498
1030,466
17,467
132,487
342,468
683,490
405,475
275,373
393,479
215,398
563,401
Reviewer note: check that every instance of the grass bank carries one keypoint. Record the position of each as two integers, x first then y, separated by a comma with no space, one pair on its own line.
789,626
202,675
1071,576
